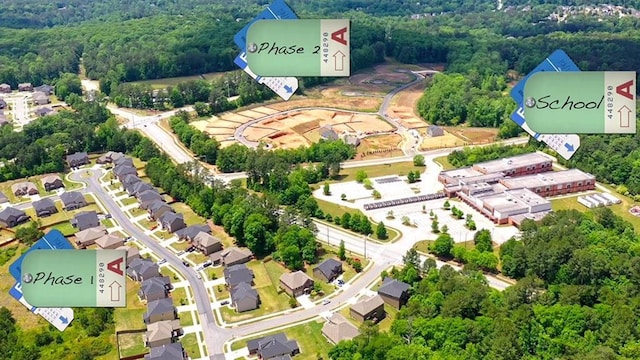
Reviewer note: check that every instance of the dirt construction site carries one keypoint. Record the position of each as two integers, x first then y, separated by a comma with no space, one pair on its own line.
283,126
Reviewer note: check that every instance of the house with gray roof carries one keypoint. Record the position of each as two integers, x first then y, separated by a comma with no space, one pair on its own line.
236,274
434,130
40,98
142,269
189,233
207,243
160,310
88,237
123,160
368,308
45,207
78,159
110,241
85,220
171,221
73,200
5,88
109,157
44,111
120,171
25,87
140,187
235,255
158,208
162,333
244,297
296,283
52,182
45,89
338,328
394,292
328,270
146,198
154,288
173,351
270,347
129,180
327,133
10,217
24,188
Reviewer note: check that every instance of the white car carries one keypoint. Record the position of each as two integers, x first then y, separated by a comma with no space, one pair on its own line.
198,276
162,261
325,302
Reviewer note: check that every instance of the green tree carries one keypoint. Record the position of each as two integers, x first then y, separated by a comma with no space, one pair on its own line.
418,160
29,234
482,241
361,175
435,226
381,231
68,84
325,189
446,205
342,251
443,245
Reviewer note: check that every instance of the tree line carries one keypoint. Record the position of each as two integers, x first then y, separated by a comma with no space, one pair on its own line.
576,298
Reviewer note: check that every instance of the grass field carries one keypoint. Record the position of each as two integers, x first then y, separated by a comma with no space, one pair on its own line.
621,209
313,345
166,82
190,344
179,295
401,169
132,344
190,217
129,201
130,317
444,162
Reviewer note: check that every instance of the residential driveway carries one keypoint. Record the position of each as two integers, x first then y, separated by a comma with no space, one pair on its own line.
305,301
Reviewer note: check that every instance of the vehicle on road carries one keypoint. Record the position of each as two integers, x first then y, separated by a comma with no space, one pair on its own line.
191,249
325,302
198,276
186,264
162,261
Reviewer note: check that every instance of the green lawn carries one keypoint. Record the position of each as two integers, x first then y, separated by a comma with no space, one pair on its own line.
132,344
166,82
190,217
444,162
621,209
266,279
129,201
65,228
70,185
190,344
147,224
186,319
216,272
130,317
423,245
115,186
313,345
180,245
179,295
401,169
108,223
197,257
135,212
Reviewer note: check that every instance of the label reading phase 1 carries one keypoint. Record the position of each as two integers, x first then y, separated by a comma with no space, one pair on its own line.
588,102
299,47
74,278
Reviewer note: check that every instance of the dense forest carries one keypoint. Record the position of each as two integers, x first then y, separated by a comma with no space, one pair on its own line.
576,299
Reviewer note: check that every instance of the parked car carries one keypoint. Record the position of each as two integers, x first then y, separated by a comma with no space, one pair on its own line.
186,264
107,216
226,302
180,252
325,302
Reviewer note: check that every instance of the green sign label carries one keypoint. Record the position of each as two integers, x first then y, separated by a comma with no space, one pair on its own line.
299,47
75,278
588,102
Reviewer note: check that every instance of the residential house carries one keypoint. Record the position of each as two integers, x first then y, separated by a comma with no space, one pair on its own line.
296,283
368,308
24,188
270,347
140,187
337,328
235,255
155,288
45,207
73,200
78,159
3,104
132,252
85,219
109,157
129,180
44,111
25,87
40,98
146,198
236,274
89,236
10,217
173,351
142,269
207,243
5,88
120,171
158,208
110,241
244,297
434,130
123,160
327,133
189,233
52,182
328,270
171,221
45,89
160,310
162,333
216,258
394,292
3,198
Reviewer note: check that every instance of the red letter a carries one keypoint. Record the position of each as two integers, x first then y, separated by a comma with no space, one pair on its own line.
339,36
627,93
115,266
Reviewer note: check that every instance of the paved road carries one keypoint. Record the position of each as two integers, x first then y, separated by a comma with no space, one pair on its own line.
212,338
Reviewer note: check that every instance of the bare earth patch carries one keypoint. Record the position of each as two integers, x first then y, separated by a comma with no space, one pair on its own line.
474,135
379,146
